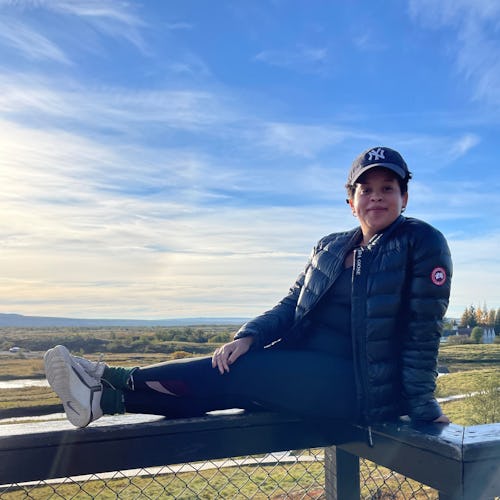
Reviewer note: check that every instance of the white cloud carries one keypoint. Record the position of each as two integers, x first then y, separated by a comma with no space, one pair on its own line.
475,44
108,107
30,43
435,152
463,145
455,12
77,242
109,18
301,140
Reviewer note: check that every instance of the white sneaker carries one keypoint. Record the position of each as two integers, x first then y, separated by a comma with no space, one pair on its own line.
79,392
94,368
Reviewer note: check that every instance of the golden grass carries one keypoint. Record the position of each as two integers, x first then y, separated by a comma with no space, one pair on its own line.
467,381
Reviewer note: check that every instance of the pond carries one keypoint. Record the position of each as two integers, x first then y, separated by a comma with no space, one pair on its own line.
23,383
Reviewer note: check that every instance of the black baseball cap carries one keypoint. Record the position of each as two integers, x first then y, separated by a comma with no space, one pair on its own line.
379,156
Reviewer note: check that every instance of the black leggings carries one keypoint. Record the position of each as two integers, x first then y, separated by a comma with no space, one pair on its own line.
302,383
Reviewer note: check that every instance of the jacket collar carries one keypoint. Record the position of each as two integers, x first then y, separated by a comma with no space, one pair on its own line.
383,235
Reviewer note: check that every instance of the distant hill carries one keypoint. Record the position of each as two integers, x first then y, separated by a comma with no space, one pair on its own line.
20,321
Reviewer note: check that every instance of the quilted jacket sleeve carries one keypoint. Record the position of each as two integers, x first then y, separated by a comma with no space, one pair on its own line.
429,290
277,322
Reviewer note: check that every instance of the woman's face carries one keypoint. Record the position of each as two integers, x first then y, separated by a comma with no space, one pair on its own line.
377,201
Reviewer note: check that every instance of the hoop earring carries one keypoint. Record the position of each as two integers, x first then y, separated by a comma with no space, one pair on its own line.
403,209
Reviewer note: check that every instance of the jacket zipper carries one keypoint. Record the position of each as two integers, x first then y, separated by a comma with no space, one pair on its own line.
359,339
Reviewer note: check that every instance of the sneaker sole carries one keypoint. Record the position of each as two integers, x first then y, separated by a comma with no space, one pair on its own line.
60,371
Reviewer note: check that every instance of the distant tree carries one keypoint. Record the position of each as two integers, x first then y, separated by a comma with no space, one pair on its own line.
467,317
491,318
199,336
497,321
482,315
477,334
221,337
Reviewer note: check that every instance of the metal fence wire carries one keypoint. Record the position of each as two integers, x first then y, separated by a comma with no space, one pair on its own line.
293,475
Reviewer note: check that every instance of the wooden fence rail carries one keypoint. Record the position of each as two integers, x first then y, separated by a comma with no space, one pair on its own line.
461,463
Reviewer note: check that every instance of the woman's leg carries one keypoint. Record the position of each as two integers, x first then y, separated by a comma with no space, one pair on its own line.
304,383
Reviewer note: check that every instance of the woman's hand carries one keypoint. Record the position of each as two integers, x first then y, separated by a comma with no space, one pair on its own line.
227,354
443,419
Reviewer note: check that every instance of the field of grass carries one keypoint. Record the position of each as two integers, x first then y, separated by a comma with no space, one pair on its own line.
275,481
18,366
469,356
467,382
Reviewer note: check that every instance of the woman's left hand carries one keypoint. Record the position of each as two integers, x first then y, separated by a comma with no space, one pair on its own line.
443,419
227,354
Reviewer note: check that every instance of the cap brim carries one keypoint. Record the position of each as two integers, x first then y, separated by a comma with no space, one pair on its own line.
391,166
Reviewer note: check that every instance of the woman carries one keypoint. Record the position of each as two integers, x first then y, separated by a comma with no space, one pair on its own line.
356,337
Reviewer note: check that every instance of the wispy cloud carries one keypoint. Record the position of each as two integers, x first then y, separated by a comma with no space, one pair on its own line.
29,43
85,245
106,17
436,152
300,139
475,46
463,145
29,95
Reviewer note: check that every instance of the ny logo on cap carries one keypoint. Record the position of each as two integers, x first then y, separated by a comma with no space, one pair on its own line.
376,154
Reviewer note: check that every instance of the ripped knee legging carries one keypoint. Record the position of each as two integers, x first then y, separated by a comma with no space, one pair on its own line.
299,382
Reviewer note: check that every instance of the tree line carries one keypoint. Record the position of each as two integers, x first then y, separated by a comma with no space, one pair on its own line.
481,316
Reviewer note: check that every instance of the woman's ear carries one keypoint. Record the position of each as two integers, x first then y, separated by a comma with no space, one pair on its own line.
351,204
405,202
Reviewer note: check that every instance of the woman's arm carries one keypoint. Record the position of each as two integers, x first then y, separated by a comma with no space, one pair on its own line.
429,290
275,323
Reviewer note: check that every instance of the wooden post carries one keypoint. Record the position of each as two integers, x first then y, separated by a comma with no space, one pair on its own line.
341,475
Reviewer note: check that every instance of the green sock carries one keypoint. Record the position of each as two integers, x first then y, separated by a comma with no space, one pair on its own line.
111,400
118,377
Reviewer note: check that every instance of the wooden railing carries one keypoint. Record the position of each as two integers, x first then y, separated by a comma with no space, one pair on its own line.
461,463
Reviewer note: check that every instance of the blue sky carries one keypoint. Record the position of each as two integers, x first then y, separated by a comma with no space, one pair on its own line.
180,158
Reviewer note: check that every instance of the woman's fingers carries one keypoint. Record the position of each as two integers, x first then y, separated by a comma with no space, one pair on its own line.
220,359
229,353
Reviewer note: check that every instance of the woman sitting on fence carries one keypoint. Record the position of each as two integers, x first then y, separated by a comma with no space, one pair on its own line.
356,337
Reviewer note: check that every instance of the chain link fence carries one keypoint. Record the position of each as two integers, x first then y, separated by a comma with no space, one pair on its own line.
293,475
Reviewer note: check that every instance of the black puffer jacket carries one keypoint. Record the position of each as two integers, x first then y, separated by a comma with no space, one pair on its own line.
400,292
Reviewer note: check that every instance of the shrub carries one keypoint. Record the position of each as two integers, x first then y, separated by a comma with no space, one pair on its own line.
459,339
477,334
180,355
